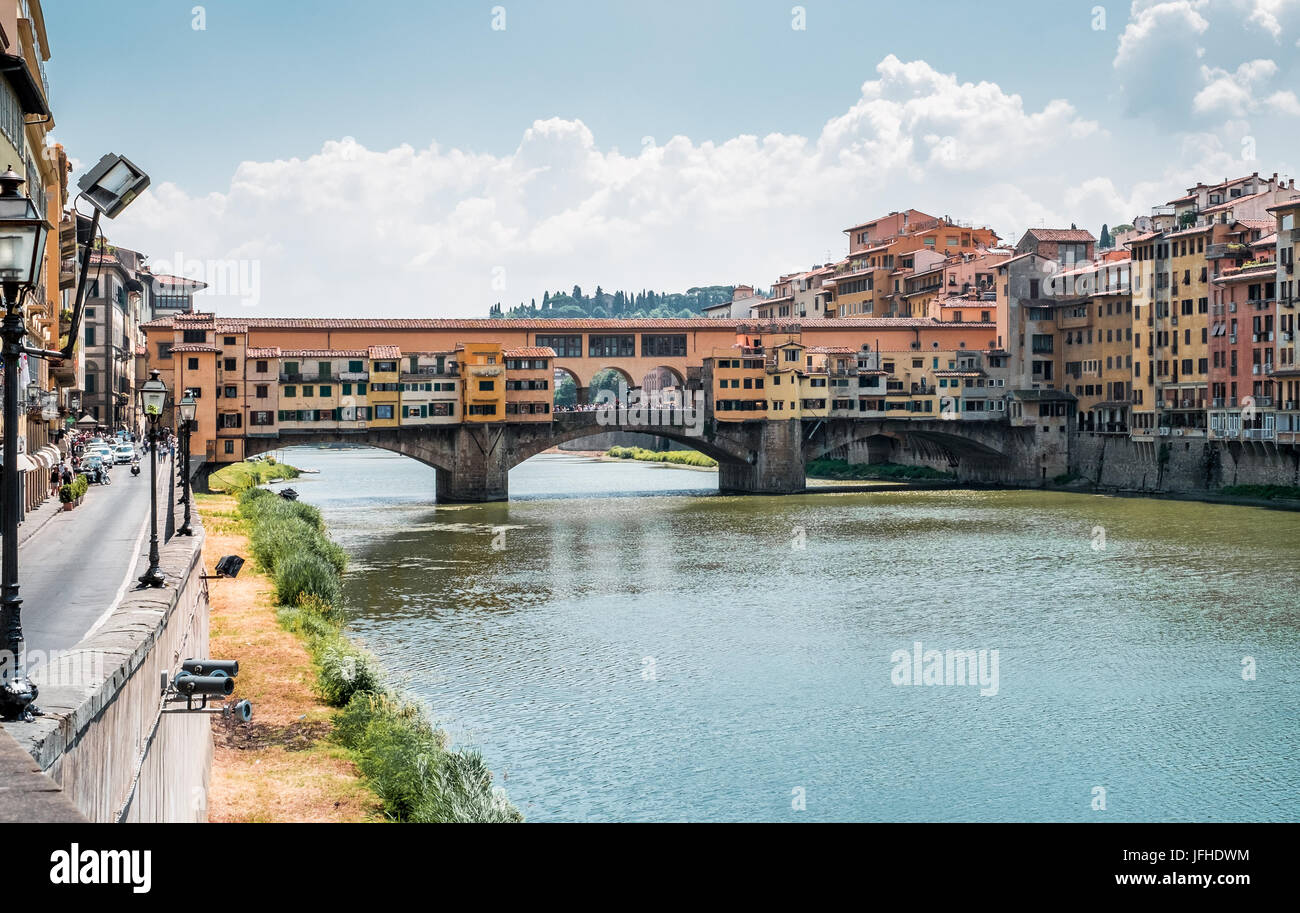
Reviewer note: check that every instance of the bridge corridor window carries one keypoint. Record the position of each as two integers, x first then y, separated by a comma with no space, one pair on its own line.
666,346
611,346
564,346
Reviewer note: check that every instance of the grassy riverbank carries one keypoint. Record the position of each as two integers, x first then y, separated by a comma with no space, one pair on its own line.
885,472
672,457
401,758
237,477
1263,492
283,766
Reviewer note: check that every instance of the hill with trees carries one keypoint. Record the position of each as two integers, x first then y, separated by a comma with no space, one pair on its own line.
620,304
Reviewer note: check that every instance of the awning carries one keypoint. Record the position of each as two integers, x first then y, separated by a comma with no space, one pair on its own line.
87,421
25,463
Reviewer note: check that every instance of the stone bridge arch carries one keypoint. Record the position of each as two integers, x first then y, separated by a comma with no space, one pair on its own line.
529,441
432,446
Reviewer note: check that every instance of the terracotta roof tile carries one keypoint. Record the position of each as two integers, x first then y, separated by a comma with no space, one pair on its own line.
677,323
195,347
1061,234
323,353
530,352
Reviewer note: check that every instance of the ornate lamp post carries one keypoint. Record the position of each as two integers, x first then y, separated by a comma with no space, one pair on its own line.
153,398
110,187
188,407
23,232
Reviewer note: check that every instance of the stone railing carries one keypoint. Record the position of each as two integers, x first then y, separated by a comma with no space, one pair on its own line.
103,738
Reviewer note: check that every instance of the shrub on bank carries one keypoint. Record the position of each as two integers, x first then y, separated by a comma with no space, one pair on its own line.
1264,492
842,469
302,574
676,457
345,670
400,752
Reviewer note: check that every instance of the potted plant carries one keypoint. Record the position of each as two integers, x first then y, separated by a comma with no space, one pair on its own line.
70,495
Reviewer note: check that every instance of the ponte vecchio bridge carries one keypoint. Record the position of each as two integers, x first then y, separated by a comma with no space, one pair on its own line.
473,398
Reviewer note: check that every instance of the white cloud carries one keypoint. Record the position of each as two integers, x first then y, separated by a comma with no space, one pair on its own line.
437,231
1202,57
1236,92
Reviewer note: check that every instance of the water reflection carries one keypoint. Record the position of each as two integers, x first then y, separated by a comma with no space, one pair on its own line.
687,655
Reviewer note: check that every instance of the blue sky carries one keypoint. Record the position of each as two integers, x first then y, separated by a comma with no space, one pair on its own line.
275,79
464,164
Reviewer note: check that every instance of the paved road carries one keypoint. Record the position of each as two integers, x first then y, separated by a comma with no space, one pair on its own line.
75,568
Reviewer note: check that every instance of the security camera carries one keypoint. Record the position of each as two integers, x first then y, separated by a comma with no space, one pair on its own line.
241,711
197,685
228,667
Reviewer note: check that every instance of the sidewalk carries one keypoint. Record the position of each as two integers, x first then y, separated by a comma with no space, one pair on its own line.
35,520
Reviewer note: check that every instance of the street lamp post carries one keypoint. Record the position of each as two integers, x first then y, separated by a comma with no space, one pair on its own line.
110,187
23,232
188,409
153,397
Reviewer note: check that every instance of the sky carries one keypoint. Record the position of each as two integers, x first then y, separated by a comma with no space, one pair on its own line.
409,158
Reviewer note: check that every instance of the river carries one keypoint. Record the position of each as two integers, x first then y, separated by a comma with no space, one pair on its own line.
624,644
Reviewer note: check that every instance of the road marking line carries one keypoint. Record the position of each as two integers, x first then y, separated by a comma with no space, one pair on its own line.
126,581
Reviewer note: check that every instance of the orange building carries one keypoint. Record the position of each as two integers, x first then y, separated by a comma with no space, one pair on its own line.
529,380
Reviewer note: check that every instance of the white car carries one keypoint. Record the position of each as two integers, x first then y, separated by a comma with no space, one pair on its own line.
123,453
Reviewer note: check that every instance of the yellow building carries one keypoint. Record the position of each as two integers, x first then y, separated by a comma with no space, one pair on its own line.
483,382
310,389
785,359
262,387
1185,373
385,390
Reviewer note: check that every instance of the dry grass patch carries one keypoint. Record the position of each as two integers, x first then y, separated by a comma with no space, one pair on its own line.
282,766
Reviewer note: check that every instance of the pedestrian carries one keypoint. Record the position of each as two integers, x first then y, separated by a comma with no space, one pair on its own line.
67,476
55,478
